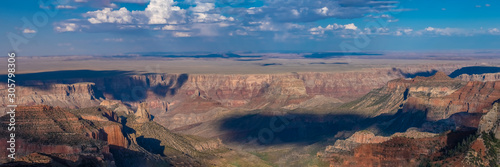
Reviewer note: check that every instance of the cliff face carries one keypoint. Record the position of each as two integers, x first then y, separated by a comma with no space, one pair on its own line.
59,133
242,90
163,90
474,97
490,122
480,77
62,95
142,115
438,96
172,92
101,124
463,105
97,136
398,151
195,96
411,148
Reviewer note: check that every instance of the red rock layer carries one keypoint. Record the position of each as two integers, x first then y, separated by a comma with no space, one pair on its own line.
439,96
53,130
403,151
230,90
474,97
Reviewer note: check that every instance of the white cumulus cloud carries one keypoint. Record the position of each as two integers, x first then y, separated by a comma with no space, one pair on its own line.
157,12
350,27
107,15
164,12
66,27
330,27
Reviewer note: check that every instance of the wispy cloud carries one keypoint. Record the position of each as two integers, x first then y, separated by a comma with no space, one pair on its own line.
65,7
29,31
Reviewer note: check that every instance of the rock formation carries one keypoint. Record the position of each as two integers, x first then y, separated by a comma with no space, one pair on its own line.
490,122
142,114
59,133
183,95
63,95
439,96
480,77
467,105
96,136
117,106
358,138
113,133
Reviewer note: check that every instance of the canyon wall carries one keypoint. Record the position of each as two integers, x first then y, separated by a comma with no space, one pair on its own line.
198,96
178,100
62,134
438,96
480,77
459,113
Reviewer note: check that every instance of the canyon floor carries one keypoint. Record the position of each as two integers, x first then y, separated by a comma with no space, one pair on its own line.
257,109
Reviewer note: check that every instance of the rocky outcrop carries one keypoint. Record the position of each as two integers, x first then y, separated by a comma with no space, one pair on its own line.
142,114
398,151
367,137
463,105
474,98
108,127
84,154
113,135
56,132
438,96
210,145
95,136
403,149
490,122
117,106
287,87
480,77
358,138
63,95
178,149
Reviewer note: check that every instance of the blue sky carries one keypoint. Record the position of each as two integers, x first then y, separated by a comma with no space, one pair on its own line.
80,27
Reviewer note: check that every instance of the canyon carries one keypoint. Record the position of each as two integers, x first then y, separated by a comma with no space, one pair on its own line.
184,99
461,115
178,100
218,119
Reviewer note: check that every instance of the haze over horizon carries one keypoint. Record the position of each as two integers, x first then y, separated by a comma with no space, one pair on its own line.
123,26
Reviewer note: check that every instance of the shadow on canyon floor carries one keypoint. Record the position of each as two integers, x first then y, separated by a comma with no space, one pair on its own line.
198,56
121,85
417,74
69,74
152,145
327,55
310,128
465,70
475,70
